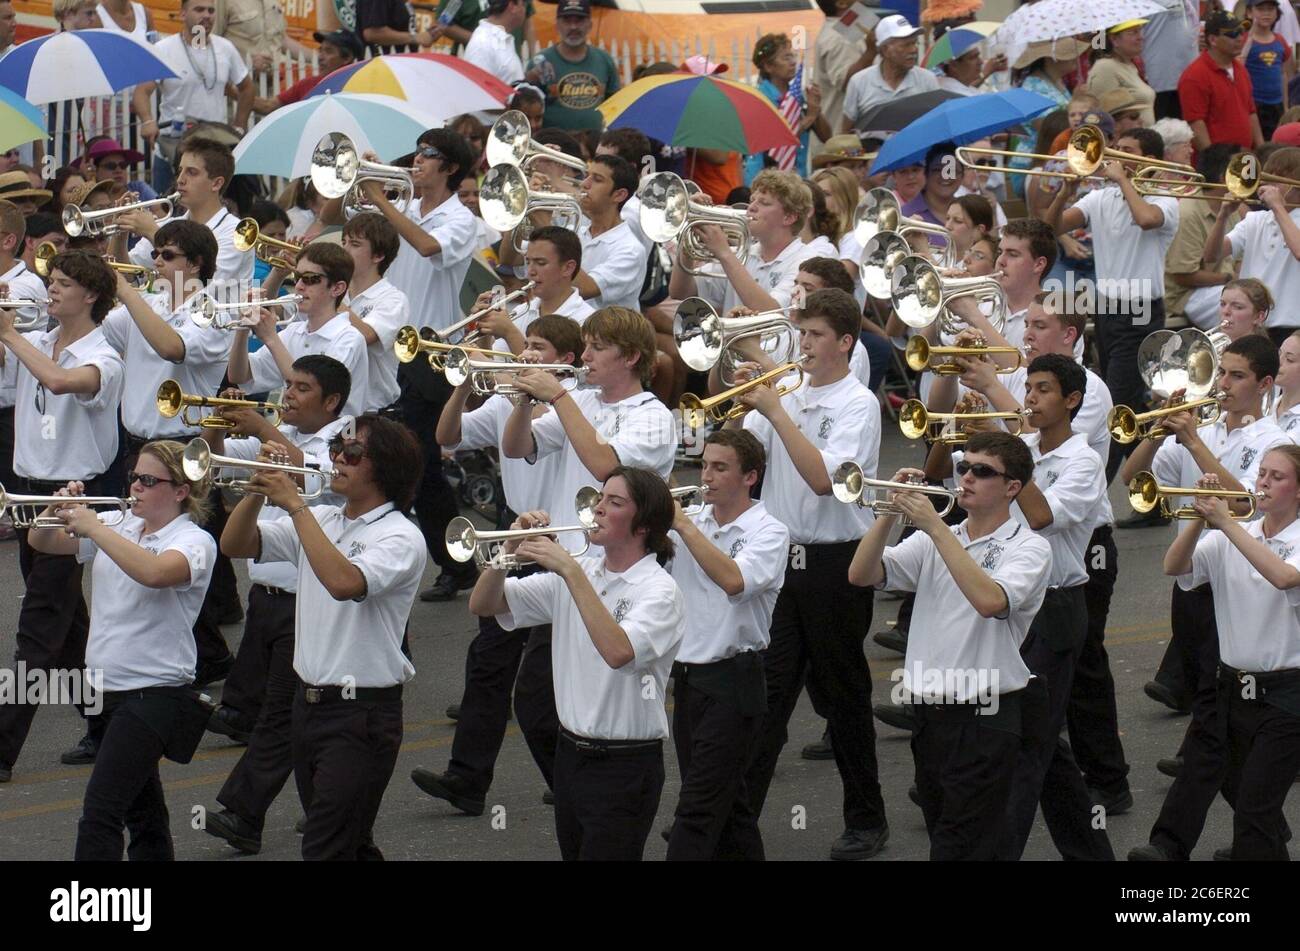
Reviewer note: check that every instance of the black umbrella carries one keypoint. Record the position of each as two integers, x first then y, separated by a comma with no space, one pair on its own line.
898,113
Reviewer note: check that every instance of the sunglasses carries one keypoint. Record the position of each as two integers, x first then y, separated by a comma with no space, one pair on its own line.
146,480
980,470
167,254
429,152
112,166
311,279
352,452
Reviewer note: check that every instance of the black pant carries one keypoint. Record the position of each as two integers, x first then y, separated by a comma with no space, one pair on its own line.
424,393
1091,715
714,741
7,476
1263,757
343,756
1167,105
1268,113
606,800
818,627
1046,773
269,616
1118,339
266,764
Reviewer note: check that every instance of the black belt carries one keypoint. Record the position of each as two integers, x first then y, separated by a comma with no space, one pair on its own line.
1263,678
277,592
332,693
601,748
46,487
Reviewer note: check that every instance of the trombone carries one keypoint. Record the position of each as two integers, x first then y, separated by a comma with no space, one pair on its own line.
249,236
99,224
850,486
1240,182
172,401
410,344
498,301
704,336
465,542
697,411
691,499
920,295
231,316
510,142
916,421
198,460
668,212
884,252
507,203
459,366
1126,426
1145,494
337,171
879,211
1084,155
25,511
920,355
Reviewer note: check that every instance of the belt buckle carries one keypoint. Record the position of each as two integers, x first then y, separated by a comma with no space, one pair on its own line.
314,694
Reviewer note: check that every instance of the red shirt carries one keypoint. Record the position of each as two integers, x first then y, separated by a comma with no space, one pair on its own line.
298,91
1224,105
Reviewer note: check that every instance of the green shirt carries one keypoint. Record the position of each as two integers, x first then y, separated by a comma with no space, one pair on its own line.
578,89
471,12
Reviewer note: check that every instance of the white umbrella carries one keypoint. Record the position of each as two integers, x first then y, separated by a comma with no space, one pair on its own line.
1058,19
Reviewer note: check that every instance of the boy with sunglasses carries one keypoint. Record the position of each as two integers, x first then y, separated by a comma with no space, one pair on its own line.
979,586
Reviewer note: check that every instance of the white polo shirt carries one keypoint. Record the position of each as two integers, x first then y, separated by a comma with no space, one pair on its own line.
315,452
1259,625
524,314
867,88
616,261
141,636
1073,481
1129,260
775,276
336,338
199,91
1287,421
591,698
432,284
843,421
357,643
631,214
719,625
24,285
492,49
386,310
947,633
527,487
73,436
198,372
234,273
1257,241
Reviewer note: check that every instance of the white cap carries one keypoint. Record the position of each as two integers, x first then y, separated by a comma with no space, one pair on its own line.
894,28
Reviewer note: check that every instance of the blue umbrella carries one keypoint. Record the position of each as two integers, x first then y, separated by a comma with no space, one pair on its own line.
78,64
960,121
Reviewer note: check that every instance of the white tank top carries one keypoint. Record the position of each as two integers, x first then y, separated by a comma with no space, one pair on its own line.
141,26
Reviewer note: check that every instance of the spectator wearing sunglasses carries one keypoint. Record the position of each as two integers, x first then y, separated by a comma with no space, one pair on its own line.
69,384
108,159
359,566
1215,91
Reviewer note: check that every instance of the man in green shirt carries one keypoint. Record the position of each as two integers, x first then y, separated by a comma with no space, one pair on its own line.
468,16
577,77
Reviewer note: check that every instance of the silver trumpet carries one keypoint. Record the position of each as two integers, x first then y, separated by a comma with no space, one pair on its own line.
100,224
486,376
691,498
25,511
668,212
34,314
465,542
236,315
507,203
851,487
704,336
337,171
510,142
920,295
198,460
499,301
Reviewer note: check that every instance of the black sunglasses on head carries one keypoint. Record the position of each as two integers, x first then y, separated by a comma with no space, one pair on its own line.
980,470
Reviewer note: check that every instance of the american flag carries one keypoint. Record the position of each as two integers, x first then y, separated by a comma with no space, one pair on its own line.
791,108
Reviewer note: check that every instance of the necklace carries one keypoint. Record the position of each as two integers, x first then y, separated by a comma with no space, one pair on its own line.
208,86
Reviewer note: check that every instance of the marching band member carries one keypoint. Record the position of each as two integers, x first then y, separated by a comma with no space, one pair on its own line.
376,308
818,624
257,696
359,569
983,582
614,259
497,658
819,274
69,386
322,274
731,547
151,570
618,618
1286,407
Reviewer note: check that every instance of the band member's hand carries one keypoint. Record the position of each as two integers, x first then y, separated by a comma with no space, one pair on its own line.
1073,248
137,221
1229,208
1212,508
1272,197
496,322
78,520
916,506
712,237
274,452
7,318
278,487
534,519
262,322
1113,171
245,420
546,552
762,398
978,373
680,520
539,384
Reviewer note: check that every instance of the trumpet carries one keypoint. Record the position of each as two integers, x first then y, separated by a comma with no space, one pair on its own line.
410,344
703,336
25,510
171,401
36,314
884,252
921,356
1126,426
134,270
691,499
459,366
337,171
916,421
198,460
100,224
850,486
465,542
1144,494
506,202
249,236
668,212
697,411
498,301
232,316
920,295
879,211
510,142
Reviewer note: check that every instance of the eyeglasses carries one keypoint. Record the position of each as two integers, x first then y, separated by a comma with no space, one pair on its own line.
112,166
429,152
167,254
146,480
980,470
352,452
310,278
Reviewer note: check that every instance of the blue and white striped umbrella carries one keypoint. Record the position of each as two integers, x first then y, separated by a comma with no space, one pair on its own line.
283,142
79,64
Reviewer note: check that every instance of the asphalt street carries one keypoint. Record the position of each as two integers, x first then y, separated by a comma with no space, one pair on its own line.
40,807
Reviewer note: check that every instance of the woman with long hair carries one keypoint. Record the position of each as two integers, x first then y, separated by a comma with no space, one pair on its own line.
840,186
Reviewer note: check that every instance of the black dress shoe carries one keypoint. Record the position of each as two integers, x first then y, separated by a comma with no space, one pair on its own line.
820,750
1162,694
899,717
453,711
1223,855
449,585
1148,853
914,794
213,671
301,825
1116,802
83,753
230,722
856,844
449,787
1152,519
237,831
6,773
1170,766
548,797
666,833
891,639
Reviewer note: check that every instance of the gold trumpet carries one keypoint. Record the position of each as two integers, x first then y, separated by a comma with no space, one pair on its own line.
198,460
248,235
25,510
171,401
1127,426
465,541
697,411
851,487
920,355
915,421
45,253
409,345
1144,494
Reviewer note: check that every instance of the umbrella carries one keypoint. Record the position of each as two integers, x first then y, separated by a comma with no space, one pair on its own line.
900,113
964,120
1057,19
958,41
283,142
700,112
20,121
442,85
78,64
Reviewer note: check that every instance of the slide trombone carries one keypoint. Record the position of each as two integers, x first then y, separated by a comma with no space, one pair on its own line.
99,224
410,344
920,355
459,366
1145,494
337,171
465,542
498,301
233,316
248,235
198,460
879,211
1241,181
506,203
171,401
696,411
916,421
1084,154
920,295
25,511
850,486
703,335
510,142
1127,426
690,498
669,213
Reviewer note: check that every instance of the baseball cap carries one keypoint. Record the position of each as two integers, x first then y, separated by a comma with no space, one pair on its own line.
1127,25
1221,21
1255,3
701,65
573,8
894,27
1101,120
344,40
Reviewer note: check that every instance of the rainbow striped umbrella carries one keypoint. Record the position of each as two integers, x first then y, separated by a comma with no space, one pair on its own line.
442,85
699,112
959,40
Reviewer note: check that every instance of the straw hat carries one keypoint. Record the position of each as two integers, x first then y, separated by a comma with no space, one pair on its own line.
842,148
1066,48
